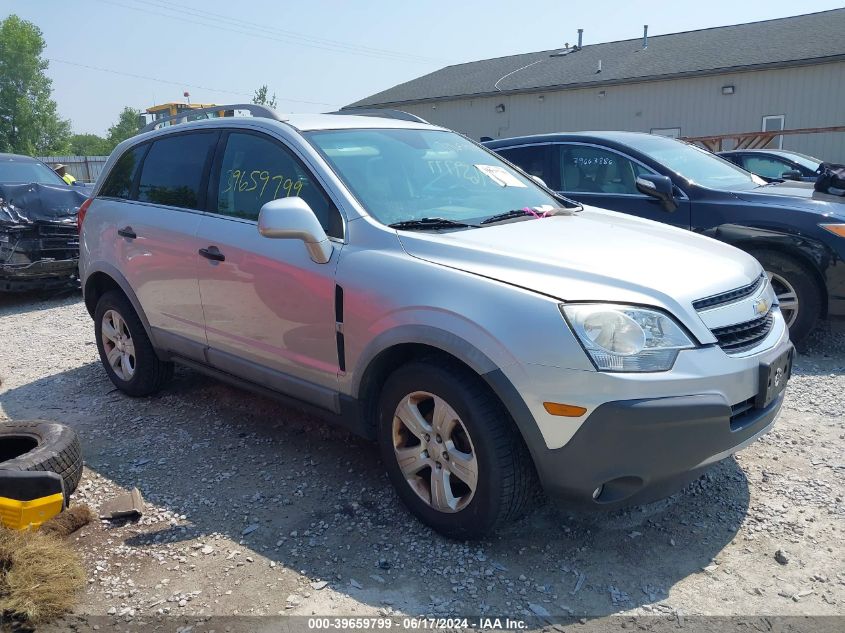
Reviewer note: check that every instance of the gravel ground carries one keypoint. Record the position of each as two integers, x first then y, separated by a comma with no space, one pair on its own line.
256,509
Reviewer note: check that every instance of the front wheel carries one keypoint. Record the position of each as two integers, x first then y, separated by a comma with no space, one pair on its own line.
451,450
799,296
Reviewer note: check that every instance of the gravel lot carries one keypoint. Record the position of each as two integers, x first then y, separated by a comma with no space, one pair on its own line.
257,509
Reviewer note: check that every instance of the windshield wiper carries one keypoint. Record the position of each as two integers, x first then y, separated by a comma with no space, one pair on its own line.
508,215
430,223
522,213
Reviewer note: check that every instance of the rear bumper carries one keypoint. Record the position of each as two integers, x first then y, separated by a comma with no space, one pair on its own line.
636,451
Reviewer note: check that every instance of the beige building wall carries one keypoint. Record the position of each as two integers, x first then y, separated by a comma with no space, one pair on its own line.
807,96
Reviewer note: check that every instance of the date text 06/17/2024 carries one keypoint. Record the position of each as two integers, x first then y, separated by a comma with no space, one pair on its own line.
415,623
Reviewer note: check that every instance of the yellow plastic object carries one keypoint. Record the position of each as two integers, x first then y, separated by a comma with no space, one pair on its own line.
22,515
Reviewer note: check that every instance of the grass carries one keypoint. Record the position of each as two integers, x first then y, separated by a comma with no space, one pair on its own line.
40,574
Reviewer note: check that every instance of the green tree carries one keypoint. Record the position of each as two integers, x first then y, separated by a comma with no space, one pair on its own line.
29,121
126,127
261,98
89,145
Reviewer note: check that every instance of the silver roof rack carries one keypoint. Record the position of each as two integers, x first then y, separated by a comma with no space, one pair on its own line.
385,113
255,110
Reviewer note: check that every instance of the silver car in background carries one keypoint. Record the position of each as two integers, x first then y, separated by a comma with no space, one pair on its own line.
407,283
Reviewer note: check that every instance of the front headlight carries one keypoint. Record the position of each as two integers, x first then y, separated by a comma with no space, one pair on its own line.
626,338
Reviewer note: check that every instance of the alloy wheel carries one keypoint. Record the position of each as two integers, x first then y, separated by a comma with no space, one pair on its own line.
787,297
435,452
118,345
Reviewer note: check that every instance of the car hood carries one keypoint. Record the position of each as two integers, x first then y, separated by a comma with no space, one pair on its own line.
595,255
36,202
797,195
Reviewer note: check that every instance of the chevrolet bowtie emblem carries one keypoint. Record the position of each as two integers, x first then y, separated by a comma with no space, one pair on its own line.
761,306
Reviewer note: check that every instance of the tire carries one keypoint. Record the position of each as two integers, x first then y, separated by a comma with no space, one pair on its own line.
41,445
484,431
791,278
141,372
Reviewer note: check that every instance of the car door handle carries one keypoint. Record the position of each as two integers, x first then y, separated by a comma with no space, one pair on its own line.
127,232
213,254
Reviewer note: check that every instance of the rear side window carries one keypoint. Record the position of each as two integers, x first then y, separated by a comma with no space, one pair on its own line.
119,182
255,170
592,169
173,170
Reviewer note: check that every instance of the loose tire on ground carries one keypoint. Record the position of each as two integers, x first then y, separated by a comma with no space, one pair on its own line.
42,445
785,271
148,373
506,479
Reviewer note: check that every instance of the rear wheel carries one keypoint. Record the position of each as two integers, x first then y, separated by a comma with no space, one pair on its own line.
798,294
451,450
125,349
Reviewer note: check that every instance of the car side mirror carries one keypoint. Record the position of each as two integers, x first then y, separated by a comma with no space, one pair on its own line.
539,181
659,187
792,174
292,219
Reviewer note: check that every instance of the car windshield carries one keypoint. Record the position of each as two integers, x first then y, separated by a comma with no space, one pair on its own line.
805,161
402,175
18,171
696,165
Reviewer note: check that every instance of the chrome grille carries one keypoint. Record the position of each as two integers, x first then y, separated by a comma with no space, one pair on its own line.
728,297
734,339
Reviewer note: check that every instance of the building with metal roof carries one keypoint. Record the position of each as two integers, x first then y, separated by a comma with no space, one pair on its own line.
785,73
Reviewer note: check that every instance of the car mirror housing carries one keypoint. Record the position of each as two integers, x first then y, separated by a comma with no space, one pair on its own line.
659,187
792,174
293,219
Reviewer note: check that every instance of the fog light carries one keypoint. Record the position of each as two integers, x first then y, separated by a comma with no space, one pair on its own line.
597,492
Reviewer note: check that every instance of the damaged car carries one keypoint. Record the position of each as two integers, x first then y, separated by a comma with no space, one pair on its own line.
39,242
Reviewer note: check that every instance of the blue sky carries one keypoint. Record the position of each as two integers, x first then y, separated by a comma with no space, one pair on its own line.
322,54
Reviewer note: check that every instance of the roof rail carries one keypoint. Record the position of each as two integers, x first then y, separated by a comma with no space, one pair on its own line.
255,110
385,113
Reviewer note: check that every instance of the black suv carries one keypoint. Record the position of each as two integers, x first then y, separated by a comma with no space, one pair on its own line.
796,233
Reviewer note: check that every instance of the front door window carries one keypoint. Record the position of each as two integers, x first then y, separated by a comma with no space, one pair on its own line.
765,166
255,169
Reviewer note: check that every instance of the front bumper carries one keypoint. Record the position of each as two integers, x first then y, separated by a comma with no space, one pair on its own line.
39,275
636,451
646,435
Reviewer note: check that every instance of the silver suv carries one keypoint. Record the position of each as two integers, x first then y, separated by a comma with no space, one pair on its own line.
412,286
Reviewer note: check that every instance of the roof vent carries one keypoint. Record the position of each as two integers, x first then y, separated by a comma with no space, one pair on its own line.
580,37
645,36
566,50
